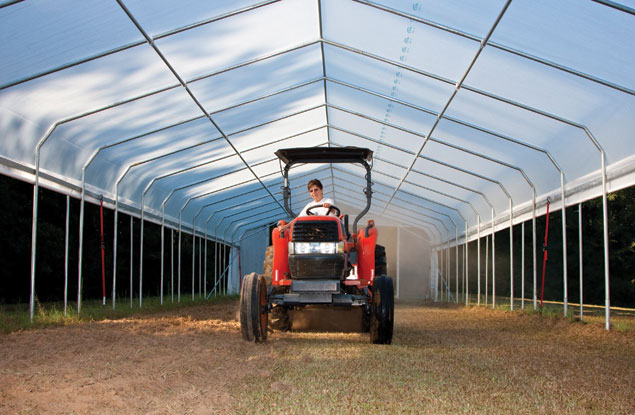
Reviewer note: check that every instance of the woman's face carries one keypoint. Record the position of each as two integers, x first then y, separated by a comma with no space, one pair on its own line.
316,193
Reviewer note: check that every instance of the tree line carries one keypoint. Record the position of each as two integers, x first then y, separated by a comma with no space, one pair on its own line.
15,251
16,198
621,218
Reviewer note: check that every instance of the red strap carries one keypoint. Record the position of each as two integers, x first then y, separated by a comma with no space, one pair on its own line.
544,258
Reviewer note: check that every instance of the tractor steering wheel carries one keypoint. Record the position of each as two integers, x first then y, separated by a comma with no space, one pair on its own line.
310,212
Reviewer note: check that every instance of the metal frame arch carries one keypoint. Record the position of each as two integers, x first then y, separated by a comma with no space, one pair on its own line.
407,202
350,196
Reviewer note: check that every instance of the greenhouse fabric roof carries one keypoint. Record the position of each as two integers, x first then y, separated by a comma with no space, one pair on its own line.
476,111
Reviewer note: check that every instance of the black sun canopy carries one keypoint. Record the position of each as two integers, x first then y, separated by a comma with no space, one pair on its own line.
291,156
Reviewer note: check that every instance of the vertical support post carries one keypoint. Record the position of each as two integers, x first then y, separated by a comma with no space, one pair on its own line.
478,261
493,265
114,246
178,267
533,246
103,250
467,277
486,268
225,271
605,215
447,267
456,261
162,251
34,240
66,239
172,263
131,255
193,260
580,270
205,267
80,249
200,267
216,263
522,266
398,251
565,276
141,257
511,255
221,269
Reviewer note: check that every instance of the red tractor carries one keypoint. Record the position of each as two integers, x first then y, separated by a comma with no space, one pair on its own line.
318,263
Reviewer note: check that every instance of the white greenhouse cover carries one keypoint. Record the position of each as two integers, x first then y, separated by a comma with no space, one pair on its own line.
477,110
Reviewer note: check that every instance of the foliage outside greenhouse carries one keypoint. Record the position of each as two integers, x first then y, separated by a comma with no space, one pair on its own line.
15,251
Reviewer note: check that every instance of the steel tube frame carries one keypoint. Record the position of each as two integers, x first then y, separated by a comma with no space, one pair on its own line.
131,255
510,102
532,187
564,205
340,180
493,215
184,85
580,265
94,155
177,151
66,242
451,98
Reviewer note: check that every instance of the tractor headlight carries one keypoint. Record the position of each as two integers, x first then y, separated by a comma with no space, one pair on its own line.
316,248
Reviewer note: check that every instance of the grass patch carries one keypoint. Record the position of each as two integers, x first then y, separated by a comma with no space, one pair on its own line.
622,319
445,360
16,317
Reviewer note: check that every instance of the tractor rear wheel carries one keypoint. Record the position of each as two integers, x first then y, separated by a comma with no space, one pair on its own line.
380,260
254,317
268,264
382,311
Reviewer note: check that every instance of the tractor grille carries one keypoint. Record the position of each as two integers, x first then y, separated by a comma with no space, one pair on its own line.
316,231
316,266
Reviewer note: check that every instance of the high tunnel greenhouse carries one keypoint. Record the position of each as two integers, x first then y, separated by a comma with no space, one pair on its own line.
481,115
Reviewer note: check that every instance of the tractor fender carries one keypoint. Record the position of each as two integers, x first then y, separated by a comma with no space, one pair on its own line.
280,268
366,240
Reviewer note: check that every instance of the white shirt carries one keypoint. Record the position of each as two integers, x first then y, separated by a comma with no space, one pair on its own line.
317,211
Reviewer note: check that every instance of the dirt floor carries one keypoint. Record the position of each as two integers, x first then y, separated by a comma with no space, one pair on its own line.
194,361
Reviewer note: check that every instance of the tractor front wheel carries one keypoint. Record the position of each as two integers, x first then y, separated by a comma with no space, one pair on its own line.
254,317
382,311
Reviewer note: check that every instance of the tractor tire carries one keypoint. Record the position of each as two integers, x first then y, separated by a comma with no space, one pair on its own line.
254,318
268,264
382,311
380,260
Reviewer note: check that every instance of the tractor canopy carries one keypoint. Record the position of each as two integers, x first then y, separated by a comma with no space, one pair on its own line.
291,156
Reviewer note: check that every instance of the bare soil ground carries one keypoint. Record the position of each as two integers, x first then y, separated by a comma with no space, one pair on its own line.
444,359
